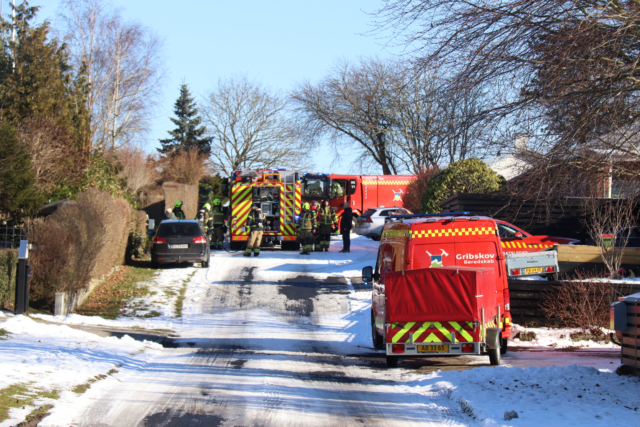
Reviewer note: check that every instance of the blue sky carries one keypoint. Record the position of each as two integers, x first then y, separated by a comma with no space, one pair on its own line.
278,43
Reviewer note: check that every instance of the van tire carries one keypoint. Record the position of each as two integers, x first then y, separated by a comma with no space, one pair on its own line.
378,341
494,353
392,361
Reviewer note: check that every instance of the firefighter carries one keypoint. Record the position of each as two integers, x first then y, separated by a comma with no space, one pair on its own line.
315,206
219,217
327,222
203,217
255,222
306,228
177,210
169,214
336,190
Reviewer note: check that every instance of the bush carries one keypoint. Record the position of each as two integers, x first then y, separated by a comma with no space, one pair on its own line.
581,303
8,271
184,167
138,238
463,176
413,197
78,243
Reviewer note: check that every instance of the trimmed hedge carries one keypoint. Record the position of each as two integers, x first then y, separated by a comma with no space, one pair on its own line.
8,271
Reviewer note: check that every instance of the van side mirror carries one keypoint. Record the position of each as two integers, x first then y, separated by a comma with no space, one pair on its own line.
519,235
367,274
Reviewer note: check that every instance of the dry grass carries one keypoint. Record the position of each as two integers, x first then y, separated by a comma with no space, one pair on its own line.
18,395
110,297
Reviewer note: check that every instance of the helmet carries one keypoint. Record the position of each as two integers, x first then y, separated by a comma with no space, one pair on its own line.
305,206
207,206
178,204
217,202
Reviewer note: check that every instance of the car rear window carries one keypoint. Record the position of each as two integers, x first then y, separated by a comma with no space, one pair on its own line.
387,212
178,229
368,213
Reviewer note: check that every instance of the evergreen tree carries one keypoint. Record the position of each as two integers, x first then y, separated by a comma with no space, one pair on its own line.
18,195
189,133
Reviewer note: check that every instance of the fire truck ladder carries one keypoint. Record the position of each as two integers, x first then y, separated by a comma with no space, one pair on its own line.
290,198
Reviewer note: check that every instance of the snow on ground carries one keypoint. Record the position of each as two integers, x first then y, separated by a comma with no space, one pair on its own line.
54,357
164,289
58,357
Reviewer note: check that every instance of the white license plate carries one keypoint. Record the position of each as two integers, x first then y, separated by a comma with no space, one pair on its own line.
178,246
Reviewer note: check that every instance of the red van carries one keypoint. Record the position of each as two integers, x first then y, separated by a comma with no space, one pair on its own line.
439,288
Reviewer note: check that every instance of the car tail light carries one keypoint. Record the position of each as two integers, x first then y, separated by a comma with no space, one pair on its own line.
551,269
200,239
397,348
369,220
515,272
468,348
507,300
159,241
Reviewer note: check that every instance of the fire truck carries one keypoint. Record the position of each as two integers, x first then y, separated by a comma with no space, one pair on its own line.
439,288
277,193
362,192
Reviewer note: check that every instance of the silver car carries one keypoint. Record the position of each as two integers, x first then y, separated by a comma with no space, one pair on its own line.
371,222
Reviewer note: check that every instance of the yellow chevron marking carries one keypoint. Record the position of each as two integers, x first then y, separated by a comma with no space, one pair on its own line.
441,328
461,331
432,338
403,331
419,332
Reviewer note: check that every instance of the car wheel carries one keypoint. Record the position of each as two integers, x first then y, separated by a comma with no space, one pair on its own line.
378,341
354,223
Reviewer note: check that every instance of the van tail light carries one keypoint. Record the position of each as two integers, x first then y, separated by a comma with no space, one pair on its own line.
200,239
507,300
515,271
159,241
397,348
468,348
551,269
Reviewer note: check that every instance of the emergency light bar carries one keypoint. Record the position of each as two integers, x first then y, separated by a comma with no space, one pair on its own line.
409,216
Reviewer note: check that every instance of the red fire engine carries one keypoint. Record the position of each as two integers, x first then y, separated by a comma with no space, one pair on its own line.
362,192
277,193
439,288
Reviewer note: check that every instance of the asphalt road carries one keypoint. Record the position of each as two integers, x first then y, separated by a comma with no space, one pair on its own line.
280,352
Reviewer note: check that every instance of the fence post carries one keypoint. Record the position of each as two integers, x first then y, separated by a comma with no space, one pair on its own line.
22,279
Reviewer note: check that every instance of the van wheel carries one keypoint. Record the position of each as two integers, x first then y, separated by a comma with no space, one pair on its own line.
378,341
494,353
392,361
503,346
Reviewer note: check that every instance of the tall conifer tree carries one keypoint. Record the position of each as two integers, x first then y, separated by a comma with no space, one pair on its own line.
188,134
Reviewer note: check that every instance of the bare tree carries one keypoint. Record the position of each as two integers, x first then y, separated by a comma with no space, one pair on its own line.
393,116
251,128
566,69
124,67
610,225
137,168
351,106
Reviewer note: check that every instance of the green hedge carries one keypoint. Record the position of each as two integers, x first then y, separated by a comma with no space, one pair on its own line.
8,271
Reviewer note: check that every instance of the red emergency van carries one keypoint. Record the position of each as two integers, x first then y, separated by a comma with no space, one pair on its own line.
439,288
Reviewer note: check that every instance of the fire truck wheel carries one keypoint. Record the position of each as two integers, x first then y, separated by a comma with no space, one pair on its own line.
378,341
392,361
503,345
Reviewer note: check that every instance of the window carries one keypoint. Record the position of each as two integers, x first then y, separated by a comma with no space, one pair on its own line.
179,230
387,212
314,188
507,232
368,213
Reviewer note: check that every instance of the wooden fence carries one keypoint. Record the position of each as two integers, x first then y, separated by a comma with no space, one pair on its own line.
527,297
